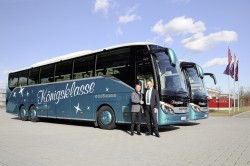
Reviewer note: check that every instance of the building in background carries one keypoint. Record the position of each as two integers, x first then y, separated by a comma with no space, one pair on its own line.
217,100
2,97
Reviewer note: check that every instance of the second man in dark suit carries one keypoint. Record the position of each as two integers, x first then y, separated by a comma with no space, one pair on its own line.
152,104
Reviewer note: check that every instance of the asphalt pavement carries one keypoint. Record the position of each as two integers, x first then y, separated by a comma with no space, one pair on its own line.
214,141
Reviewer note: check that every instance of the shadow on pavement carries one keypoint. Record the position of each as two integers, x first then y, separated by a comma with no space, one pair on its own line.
63,121
126,128
16,118
122,127
188,124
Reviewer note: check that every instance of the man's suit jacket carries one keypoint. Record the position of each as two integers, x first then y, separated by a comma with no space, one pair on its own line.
136,98
154,100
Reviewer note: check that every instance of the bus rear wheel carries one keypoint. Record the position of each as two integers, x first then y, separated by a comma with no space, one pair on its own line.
33,114
23,114
106,118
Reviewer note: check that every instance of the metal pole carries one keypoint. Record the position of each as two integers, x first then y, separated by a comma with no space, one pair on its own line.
238,87
234,84
229,107
234,95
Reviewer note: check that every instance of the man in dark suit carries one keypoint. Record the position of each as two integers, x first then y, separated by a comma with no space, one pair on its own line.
152,104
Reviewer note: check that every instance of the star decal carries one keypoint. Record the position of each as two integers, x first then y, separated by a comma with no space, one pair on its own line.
21,90
14,94
77,108
27,93
107,89
88,107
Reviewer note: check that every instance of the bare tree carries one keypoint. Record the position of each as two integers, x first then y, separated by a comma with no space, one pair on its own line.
219,90
241,91
246,93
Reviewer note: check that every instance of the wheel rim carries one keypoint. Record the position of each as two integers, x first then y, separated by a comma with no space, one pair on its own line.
23,113
106,117
33,114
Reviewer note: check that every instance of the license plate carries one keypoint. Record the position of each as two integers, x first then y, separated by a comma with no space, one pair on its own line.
183,118
205,115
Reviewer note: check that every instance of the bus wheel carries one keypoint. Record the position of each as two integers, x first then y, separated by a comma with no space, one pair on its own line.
106,118
23,114
33,114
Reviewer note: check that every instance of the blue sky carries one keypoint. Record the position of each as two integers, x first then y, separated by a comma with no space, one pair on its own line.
198,30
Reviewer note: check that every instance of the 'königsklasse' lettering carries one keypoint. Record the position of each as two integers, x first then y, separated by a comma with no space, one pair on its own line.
56,96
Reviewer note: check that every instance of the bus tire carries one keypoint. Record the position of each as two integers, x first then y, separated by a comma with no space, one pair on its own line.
33,114
106,118
23,113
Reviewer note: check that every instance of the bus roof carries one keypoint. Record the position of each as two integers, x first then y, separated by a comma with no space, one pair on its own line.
79,54
83,53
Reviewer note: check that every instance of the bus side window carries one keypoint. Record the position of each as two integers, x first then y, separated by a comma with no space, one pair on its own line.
34,76
13,80
116,63
84,67
23,78
63,71
47,74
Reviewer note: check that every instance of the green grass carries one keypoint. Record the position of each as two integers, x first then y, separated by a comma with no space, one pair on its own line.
226,112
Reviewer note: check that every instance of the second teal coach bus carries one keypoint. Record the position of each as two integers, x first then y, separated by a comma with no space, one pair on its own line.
96,86
193,73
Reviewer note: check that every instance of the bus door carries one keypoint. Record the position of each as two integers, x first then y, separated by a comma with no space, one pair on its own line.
144,72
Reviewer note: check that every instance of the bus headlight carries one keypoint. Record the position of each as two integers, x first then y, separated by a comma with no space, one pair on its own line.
196,108
167,109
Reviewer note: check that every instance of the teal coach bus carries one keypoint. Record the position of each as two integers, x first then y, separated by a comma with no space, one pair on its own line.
194,79
96,86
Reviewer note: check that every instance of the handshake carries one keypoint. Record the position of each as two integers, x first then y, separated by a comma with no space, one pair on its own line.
141,102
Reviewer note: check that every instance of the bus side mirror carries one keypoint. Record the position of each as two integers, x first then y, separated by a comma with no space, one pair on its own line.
212,76
172,57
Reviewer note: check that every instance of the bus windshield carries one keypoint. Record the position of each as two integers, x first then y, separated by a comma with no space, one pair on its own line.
171,81
196,83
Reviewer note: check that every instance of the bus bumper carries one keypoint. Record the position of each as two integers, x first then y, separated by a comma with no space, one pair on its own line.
169,119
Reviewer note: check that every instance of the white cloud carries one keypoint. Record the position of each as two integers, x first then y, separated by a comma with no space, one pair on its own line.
178,26
119,31
216,61
101,6
168,40
196,42
130,16
200,43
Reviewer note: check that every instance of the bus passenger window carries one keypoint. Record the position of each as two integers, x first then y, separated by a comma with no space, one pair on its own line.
63,71
84,67
23,78
116,63
47,74
13,80
34,76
